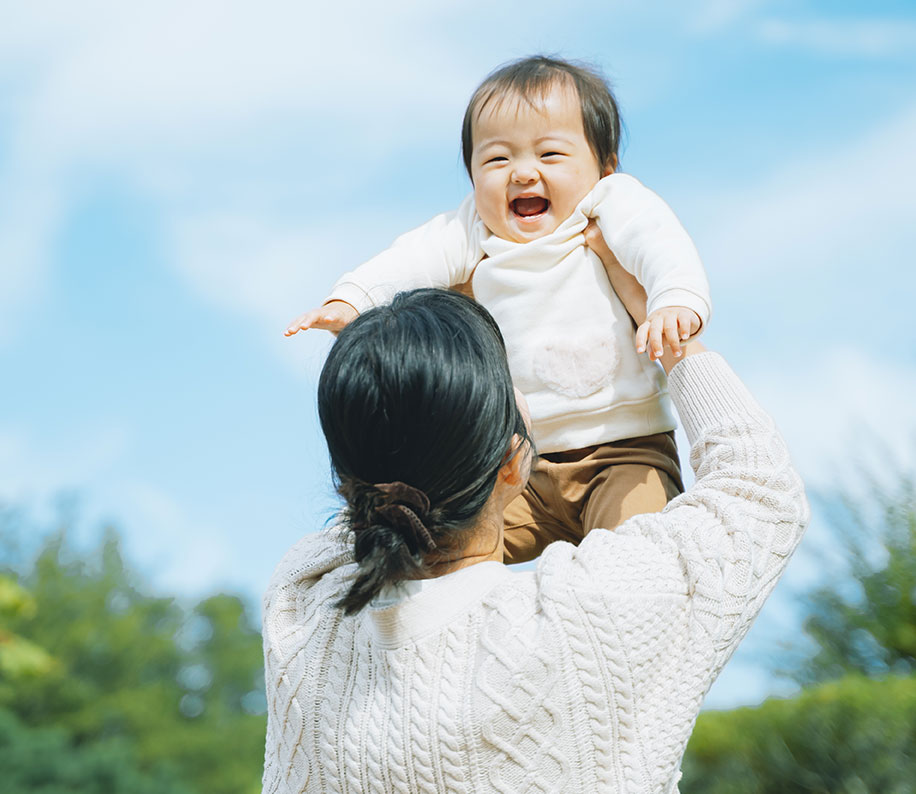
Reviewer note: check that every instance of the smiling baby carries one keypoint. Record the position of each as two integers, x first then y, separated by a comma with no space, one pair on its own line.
540,142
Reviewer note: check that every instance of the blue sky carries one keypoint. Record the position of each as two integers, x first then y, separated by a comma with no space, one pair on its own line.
178,180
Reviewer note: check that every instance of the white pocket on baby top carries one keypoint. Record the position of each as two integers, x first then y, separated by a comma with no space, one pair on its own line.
576,365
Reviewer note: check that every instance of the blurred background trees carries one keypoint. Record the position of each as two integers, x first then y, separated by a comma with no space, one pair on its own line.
865,622
107,688
851,736
852,729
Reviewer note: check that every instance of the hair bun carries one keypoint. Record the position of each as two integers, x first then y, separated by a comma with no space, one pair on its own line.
407,509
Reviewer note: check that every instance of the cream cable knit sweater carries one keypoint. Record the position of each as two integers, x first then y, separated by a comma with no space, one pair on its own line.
585,675
569,338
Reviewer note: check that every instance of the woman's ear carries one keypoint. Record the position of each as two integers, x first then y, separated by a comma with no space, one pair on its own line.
515,470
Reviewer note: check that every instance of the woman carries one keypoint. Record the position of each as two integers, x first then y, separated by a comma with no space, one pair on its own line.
402,655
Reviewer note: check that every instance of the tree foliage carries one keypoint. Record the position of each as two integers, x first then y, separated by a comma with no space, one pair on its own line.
19,658
853,729
47,761
865,622
138,687
853,736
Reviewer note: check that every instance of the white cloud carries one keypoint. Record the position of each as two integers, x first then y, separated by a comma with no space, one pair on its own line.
266,272
178,551
31,467
269,268
852,205
149,91
175,549
869,38
28,220
713,16
175,74
841,410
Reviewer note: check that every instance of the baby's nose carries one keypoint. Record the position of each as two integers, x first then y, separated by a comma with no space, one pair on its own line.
524,173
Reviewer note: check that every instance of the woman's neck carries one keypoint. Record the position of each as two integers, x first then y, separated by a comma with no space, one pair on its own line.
486,544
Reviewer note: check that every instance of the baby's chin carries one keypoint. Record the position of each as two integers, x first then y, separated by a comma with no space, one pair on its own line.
526,231
517,229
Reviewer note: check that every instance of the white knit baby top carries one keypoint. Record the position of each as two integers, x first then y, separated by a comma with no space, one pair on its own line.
584,675
569,339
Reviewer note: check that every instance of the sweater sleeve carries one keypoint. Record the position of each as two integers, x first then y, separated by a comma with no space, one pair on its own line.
733,531
653,610
441,253
651,244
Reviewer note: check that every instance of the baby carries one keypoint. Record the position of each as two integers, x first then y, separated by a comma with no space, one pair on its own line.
540,139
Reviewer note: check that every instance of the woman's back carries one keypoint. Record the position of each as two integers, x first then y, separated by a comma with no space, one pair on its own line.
584,675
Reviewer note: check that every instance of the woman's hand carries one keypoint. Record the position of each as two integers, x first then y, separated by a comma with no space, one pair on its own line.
650,331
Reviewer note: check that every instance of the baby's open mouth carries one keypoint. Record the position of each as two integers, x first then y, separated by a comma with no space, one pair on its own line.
529,207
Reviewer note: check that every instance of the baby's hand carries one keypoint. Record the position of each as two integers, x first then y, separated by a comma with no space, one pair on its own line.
333,316
673,325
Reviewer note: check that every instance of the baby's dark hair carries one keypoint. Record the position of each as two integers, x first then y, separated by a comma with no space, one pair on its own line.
415,396
530,79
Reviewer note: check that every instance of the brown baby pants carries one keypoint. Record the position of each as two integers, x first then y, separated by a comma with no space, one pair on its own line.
573,492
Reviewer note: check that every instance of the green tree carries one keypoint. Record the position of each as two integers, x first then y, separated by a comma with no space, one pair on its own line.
853,736
853,728
19,658
865,622
175,692
47,761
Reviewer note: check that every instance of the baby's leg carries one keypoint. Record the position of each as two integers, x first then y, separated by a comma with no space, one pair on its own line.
538,516
571,493
639,475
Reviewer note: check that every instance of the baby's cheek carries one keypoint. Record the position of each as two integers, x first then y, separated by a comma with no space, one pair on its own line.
491,218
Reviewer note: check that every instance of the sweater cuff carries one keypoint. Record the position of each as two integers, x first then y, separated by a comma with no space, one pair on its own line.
707,392
351,293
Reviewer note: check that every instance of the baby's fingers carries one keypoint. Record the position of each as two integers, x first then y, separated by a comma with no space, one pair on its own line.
688,323
656,338
672,334
322,318
642,337
301,323
650,336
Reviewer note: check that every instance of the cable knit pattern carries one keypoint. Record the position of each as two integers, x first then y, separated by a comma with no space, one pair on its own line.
450,732
518,684
585,675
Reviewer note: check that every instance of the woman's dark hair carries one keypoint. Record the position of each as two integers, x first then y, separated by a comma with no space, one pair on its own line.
416,392
531,79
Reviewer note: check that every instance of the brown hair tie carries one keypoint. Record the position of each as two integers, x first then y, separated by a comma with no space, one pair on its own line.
404,508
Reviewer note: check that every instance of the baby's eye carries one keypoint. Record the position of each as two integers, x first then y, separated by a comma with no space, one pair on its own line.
496,159
552,154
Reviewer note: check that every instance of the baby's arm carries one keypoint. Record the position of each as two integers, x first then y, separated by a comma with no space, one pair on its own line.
650,244
440,253
633,296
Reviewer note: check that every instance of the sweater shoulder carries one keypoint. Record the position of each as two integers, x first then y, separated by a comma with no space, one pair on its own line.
310,558
610,562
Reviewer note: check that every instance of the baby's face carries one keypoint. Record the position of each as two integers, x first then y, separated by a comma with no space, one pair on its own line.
531,165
